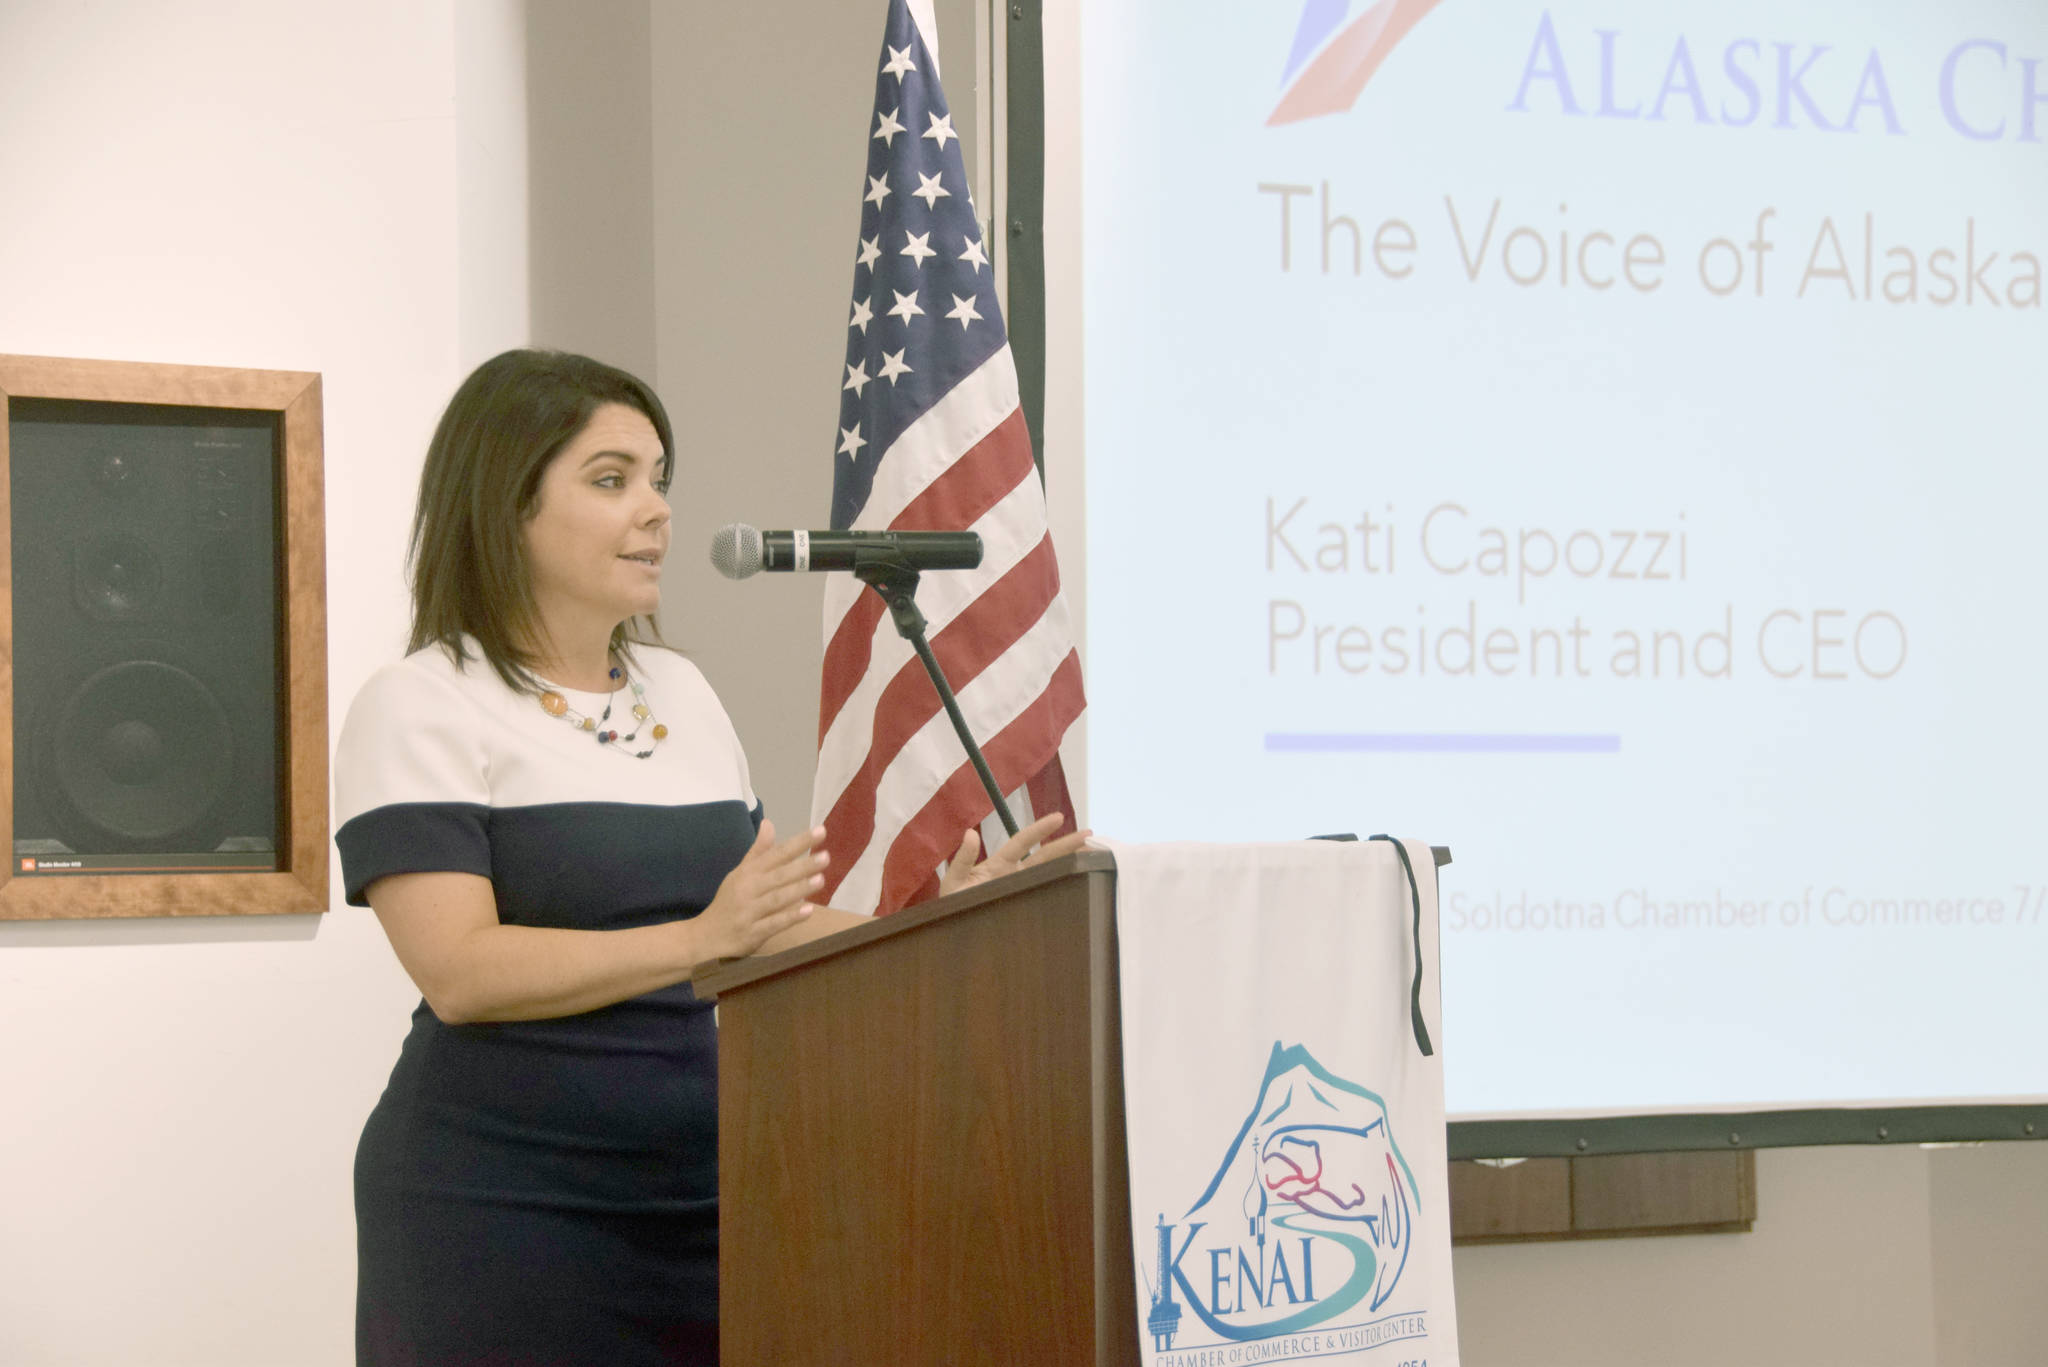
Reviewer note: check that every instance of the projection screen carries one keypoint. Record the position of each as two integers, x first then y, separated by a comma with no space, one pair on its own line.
1607,440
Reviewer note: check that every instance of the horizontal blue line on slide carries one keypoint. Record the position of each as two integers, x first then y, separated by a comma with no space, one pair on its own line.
1439,743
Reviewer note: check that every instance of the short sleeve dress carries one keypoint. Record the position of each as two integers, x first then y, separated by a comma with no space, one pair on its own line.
544,1192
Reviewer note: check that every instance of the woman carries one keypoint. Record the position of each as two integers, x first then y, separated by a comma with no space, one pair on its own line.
553,822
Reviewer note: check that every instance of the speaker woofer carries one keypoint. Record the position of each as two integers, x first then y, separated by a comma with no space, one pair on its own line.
142,752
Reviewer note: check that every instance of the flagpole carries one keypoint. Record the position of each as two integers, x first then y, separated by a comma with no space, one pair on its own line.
896,582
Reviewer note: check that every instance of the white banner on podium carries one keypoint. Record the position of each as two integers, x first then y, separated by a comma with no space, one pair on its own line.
1285,1122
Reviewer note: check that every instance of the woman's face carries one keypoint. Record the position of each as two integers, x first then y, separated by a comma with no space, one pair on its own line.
600,524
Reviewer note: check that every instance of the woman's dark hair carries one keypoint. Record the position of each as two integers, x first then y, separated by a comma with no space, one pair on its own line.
467,558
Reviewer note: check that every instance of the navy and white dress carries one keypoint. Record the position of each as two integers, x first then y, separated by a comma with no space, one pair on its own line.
544,1192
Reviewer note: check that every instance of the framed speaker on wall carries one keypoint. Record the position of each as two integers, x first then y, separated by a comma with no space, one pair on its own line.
163,621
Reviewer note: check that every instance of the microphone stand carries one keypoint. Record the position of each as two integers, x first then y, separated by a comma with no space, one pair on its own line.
895,580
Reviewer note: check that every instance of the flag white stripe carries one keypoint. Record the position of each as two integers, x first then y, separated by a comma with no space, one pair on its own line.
927,21
1009,532
996,697
1008,529
921,453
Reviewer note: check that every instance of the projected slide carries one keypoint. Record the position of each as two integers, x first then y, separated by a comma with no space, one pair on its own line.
1611,441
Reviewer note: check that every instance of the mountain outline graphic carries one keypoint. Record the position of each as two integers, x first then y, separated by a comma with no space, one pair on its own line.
1316,1157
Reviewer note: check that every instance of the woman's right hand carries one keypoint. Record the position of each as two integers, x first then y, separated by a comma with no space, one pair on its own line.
765,895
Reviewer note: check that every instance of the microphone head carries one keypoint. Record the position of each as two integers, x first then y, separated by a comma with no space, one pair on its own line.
736,550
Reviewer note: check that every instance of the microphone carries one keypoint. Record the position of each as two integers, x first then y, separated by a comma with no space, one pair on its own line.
738,550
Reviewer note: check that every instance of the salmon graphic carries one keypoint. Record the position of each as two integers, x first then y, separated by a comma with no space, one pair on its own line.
1310,1212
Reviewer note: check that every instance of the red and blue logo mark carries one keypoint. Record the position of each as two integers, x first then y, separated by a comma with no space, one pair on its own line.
1335,54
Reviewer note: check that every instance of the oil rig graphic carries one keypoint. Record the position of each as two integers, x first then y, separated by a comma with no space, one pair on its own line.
1164,1321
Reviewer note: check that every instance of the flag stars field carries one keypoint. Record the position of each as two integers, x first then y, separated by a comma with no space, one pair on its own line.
963,309
905,307
922,250
935,251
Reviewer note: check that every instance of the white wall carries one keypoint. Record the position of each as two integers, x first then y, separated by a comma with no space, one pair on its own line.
271,186
1837,1270
1871,1257
493,220
345,188
590,140
1989,1241
760,134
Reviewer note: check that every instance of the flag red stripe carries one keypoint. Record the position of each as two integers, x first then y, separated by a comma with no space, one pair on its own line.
1047,790
957,499
967,645
1022,748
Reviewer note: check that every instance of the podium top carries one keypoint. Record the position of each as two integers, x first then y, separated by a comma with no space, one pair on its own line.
726,975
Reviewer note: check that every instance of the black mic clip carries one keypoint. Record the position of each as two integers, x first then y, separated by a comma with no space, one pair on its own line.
888,573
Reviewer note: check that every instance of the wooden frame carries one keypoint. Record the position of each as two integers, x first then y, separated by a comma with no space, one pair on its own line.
301,883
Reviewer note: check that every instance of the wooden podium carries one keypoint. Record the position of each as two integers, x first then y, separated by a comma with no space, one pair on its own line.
921,1136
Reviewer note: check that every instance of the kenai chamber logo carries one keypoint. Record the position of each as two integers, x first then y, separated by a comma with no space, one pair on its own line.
1311,1214
1334,55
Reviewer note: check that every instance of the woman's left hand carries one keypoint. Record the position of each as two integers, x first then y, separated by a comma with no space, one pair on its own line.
1015,853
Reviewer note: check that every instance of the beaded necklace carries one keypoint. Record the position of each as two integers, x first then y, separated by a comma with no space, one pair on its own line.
555,705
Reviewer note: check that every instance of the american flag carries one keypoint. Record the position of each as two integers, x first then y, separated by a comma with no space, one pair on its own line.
931,438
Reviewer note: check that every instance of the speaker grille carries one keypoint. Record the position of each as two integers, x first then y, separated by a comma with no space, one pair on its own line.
147,713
